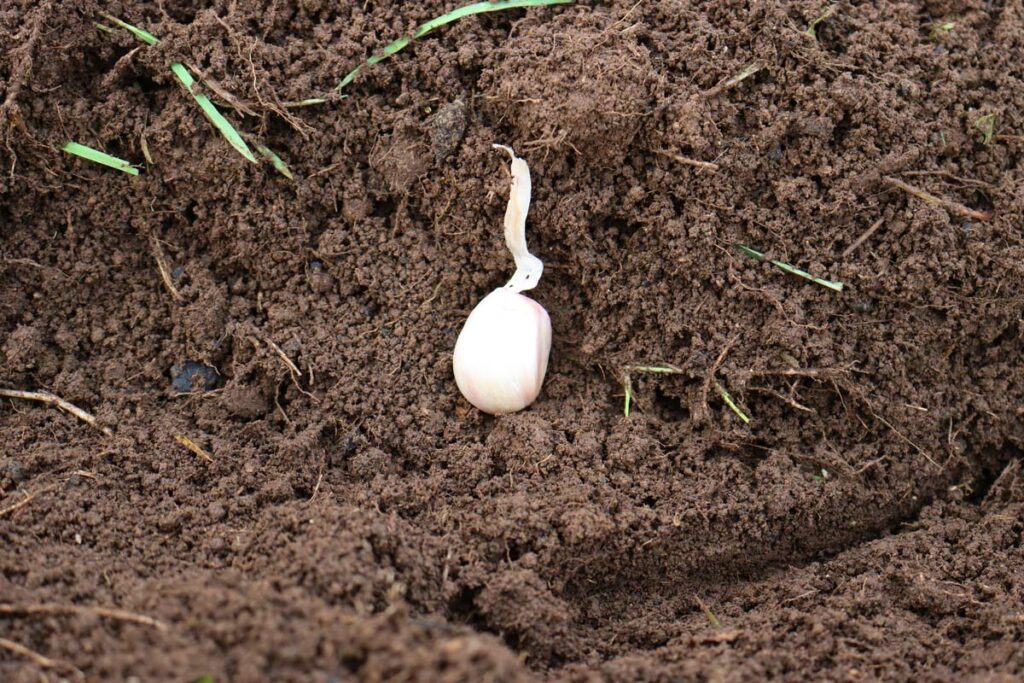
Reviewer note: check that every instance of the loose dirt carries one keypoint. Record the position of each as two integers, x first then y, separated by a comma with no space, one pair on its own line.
357,520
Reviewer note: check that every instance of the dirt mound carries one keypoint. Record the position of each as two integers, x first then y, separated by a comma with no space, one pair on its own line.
294,489
585,87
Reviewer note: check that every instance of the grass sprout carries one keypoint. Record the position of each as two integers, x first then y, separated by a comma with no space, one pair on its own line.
628,371
275,161
208,108
98,157
454,15
812,28
627,387
789,268
708,614
212,113
987,126
940,31
951,206
731,403
145,36
627,380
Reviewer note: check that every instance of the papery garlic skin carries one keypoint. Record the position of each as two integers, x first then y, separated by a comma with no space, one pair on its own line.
501,355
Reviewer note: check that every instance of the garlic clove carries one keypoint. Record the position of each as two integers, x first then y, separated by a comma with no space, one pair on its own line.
501,355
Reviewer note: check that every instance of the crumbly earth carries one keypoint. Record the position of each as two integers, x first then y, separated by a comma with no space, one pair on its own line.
356,519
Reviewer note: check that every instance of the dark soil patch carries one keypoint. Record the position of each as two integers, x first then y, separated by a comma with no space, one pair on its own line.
358,520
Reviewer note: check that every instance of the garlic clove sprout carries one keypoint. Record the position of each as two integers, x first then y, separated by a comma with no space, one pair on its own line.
501,355
529,268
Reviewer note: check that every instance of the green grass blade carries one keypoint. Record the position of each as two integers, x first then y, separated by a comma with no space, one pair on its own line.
98,157
789,268
389,50
627,379
275,161
782,265
186,80
351,76
479,8
212,113
454,15
732,404
145,36
752,253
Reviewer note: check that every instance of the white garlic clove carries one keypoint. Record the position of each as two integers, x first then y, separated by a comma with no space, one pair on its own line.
501,355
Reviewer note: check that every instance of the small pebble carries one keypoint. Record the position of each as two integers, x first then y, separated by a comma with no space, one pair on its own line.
862,306
192,376
447,128
170,522
15,470
320,282
216,512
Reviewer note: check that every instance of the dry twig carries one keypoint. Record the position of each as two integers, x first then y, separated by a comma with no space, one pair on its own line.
969,182
51,399
76,610
955,207
814,373
29,497
32,655
904,438
710,376
293,369
708,165
786,399
733,80
1009,473
144,144
864,237
165,271
193,446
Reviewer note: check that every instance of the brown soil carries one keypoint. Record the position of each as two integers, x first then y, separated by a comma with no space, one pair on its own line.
358,520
